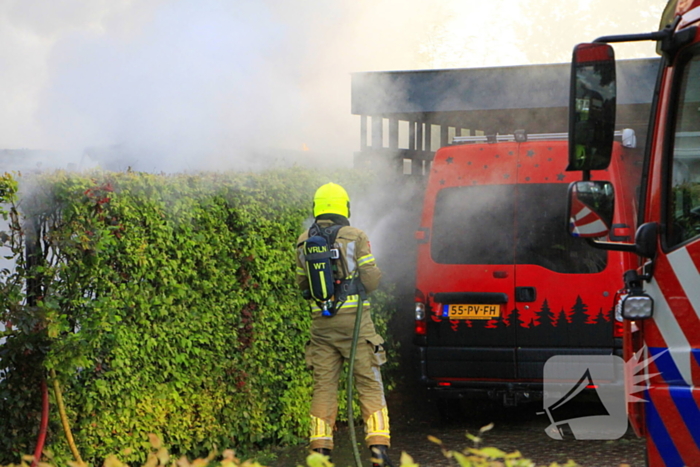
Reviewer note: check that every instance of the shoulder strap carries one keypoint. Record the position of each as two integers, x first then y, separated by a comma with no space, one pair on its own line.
329,233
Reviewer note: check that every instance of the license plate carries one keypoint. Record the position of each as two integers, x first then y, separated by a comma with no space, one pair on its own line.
472,311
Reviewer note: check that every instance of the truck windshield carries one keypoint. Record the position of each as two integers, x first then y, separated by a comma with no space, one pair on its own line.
509,224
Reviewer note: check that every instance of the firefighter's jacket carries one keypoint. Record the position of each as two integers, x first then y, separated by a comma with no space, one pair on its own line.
355,253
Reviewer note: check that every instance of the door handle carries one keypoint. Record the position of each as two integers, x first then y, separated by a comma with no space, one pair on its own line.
525,294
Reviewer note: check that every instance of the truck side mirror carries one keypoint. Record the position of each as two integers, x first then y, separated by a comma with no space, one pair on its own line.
645,239
592,103
590,209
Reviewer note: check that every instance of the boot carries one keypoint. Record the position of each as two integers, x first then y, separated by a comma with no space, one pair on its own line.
380,456
324,451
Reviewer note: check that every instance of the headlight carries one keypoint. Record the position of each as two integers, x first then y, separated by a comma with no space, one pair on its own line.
637,307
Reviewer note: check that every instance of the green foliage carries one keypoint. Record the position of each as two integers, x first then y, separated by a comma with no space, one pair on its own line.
160,456
164,303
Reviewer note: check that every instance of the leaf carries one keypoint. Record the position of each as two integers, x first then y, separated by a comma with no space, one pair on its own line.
154,440
407,461
486,428
163,456
473,438
488,452
112,461
463,460
316,459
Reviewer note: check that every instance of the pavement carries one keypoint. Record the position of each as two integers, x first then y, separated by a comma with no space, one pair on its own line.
414,419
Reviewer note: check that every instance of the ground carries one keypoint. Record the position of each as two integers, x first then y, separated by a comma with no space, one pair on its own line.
514,429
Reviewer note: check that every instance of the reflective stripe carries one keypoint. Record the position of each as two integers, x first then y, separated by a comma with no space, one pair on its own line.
301,271
378,424
671,330
320,429
352,301
323,283
365,259
350,256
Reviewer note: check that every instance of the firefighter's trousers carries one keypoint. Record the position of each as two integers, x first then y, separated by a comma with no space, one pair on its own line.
328,349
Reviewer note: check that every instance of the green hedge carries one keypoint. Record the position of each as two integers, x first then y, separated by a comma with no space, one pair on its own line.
163,303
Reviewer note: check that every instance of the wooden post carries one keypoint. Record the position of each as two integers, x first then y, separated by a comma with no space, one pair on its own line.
377,132
393,133
419,136
412,135
428,136
363,132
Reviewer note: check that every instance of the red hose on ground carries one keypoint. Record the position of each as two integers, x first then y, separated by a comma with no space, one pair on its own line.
43,425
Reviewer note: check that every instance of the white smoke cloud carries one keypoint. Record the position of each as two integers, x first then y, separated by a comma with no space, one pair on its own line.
214,84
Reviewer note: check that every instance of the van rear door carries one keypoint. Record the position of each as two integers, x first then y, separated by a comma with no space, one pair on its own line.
470,268
563,288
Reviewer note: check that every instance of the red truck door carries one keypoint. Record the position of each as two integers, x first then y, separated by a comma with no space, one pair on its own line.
672,335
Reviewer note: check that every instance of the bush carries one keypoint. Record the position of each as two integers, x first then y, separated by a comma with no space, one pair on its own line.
162,303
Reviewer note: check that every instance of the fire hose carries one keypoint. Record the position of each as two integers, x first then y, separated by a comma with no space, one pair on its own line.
351,367
43,424
64,419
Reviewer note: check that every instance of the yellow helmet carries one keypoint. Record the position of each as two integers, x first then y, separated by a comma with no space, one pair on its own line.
331,199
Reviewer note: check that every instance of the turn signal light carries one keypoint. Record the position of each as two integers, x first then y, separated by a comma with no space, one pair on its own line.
421,325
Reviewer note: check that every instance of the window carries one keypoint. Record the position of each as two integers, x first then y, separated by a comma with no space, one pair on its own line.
509,224
542,237
684,199
474,225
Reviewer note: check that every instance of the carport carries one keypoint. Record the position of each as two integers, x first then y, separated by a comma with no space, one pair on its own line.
405,116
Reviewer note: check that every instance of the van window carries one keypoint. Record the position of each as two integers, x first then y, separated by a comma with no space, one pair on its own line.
509,224
474,225
542,237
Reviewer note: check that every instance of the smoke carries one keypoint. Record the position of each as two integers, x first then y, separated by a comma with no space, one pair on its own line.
172,85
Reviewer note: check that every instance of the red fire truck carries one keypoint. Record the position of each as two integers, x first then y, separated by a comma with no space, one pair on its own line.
500,286
661,301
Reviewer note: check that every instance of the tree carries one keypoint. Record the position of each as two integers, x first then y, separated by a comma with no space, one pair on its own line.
593,315
527,318
545,315
579,311
506,318
562,319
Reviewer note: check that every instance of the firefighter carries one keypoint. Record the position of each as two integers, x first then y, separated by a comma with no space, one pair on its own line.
331,337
